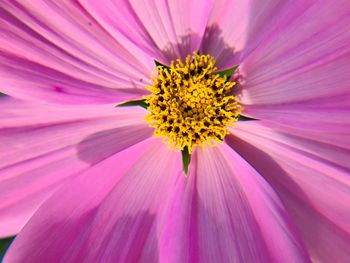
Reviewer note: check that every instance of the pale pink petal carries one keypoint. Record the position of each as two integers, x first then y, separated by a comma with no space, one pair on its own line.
235,28
325,116
55,51
108,214
301,57
311,175
44,146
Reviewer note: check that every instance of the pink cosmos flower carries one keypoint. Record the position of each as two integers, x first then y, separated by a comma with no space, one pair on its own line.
84,181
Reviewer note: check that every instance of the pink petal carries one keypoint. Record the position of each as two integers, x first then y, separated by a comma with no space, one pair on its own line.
48,145
119,19
107,214
311,175
303,55
236,215
323,116
235,27
137,213
57,52
174,27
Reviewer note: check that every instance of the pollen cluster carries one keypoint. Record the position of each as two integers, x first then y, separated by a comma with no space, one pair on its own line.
191,104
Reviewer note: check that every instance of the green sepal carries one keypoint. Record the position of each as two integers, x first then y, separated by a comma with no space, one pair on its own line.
141,103
4,244
228,72
186,159
158,64
245,118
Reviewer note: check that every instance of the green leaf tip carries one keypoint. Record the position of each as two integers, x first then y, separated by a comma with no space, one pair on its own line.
4,245
186,159
141,103
158,64
245,118
228,72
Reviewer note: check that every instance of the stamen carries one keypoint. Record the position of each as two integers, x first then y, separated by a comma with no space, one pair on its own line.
191,104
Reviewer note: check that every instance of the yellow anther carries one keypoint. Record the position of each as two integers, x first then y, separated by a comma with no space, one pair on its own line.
190,104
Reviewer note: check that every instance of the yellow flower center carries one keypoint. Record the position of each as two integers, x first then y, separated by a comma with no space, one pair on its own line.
191,104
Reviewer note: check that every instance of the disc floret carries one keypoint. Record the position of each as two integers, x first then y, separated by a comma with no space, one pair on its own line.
191,104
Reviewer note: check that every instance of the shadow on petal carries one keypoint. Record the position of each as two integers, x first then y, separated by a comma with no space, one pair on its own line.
101,145
213,43
263,163
272,172
173,51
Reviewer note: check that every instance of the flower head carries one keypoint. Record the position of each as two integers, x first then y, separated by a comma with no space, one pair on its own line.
191,104
250,99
